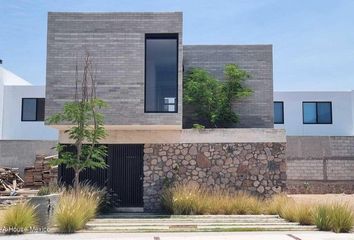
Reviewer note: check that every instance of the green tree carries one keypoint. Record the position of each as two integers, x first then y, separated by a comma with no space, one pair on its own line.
86,126
212,99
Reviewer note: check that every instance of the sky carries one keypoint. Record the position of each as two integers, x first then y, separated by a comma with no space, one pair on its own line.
313,40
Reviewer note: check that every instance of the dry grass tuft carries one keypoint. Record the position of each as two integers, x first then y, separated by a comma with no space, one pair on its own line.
74,210
190,199
19,218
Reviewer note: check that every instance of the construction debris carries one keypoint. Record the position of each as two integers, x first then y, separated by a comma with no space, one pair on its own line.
10,180
42,173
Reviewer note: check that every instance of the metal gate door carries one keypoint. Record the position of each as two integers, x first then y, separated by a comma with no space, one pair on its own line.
126,173
123,177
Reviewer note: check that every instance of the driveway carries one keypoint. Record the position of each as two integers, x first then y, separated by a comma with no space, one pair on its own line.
192,236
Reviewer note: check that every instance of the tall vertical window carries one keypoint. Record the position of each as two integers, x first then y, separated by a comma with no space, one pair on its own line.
317,112
161,72
32,109
278,112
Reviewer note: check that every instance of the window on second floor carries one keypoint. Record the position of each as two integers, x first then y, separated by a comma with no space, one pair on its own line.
317,112
278,113
161,73
32,109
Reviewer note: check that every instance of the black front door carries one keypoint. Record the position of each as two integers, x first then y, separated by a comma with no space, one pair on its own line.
123,177
125,173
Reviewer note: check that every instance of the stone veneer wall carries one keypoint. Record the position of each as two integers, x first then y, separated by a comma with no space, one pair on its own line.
259,168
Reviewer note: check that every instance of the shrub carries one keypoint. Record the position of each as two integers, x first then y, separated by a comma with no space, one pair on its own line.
189,199
275,204
289,211
19,218
186,199
243,203
49,189
322,217
75,209
304,214
212,99
341,218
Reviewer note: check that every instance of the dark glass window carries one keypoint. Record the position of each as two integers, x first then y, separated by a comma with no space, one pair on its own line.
161,72
32,109
317,112
278,112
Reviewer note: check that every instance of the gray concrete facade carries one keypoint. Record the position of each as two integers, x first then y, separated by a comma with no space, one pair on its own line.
116,41
255,111
22,153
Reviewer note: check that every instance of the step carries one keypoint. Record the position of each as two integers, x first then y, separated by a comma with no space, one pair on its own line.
201,228
196,221
163,216
180,223
186,223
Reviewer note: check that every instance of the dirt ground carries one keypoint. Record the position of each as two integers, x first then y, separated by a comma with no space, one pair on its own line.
324,198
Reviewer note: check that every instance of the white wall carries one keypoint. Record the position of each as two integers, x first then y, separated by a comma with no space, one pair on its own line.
1,100
342,113
13,127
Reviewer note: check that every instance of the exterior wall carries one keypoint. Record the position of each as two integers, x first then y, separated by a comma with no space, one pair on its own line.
7,78
219,135
342,113
13,127
1,101
21,154
320,164
116,41
259,168
255,111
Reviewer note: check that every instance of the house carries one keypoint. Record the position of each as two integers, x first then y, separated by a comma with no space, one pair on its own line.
150,142
320,139
22,130
315,113
140,61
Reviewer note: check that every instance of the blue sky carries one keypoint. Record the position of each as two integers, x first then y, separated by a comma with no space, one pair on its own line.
313,41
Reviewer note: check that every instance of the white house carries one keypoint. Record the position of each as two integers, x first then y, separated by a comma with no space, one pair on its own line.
22,110
315,113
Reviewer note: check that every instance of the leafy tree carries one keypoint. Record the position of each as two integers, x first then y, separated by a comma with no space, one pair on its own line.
212,99
87,126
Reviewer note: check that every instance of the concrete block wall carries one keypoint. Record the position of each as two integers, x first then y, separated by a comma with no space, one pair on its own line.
320,164
255,111
22,153
116,42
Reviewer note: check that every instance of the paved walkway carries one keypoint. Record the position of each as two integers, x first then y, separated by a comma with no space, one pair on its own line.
191,236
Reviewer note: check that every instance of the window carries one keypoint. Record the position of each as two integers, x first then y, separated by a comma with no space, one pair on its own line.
317,112
278,113
32,109
161,73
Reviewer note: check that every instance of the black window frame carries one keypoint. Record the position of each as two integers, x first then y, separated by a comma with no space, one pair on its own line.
162,36
37,109
282,111
316,102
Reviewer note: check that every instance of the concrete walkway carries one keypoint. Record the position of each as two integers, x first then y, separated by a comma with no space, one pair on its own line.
192,236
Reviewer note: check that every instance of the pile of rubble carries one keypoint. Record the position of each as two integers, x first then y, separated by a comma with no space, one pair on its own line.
42,173
10,180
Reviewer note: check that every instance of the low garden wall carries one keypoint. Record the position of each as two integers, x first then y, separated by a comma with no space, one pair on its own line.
22,153
321,164
259,168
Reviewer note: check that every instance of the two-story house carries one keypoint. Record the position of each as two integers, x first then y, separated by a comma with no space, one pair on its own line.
140,61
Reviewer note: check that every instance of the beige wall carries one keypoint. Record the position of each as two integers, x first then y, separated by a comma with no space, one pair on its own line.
250,135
